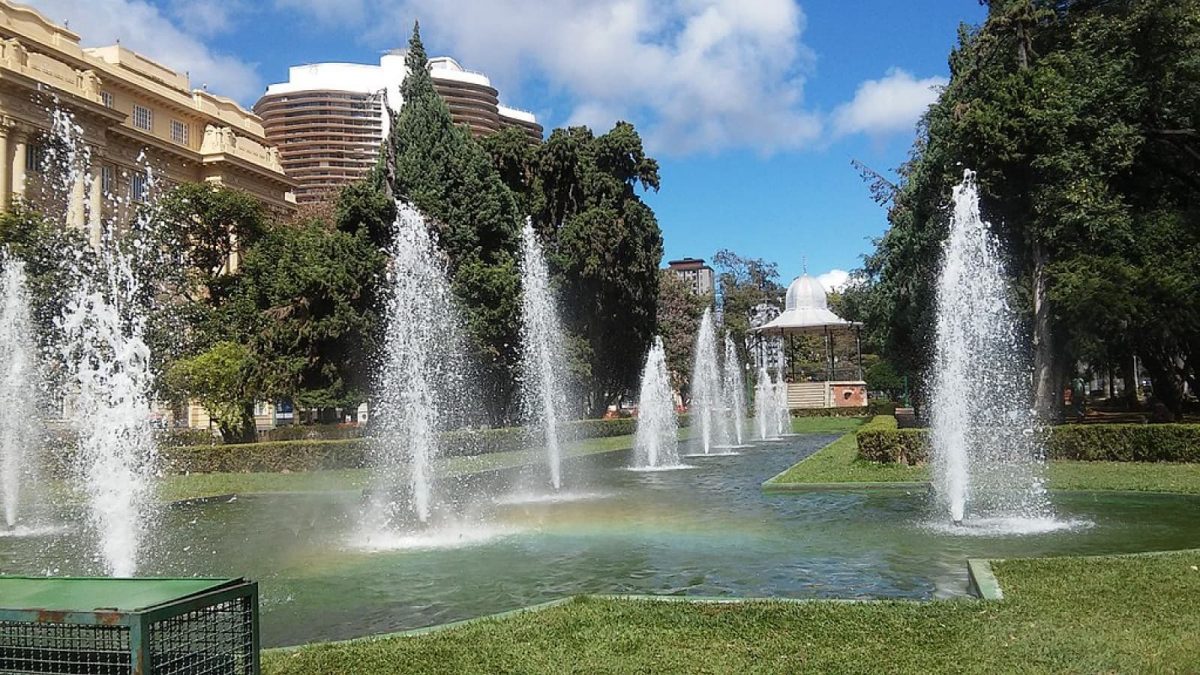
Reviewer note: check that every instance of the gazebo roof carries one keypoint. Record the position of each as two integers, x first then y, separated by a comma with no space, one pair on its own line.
806,311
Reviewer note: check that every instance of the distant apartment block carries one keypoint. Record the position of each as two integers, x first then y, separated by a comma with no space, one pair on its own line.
131,113
329,119
698,275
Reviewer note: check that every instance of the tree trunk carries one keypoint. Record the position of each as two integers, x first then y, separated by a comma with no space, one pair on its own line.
1167,385
1129,381
1045,381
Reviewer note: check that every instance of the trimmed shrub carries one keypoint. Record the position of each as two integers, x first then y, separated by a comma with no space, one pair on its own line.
880,441
311,432
352,453
1125,442
177,437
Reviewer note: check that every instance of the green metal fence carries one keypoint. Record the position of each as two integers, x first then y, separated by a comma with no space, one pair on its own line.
128,626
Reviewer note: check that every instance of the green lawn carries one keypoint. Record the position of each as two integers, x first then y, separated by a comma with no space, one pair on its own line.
1111,614
826,425
838,463
199,485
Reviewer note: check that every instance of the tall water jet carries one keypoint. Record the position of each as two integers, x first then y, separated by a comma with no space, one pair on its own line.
420,374
18,391
656,443
706,387
735,391
988,463
542,355
107,370
765,407
782,411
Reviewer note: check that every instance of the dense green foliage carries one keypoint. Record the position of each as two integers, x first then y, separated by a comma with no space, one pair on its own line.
1080,118
880,441
742,285
602,242
679,314
1104,614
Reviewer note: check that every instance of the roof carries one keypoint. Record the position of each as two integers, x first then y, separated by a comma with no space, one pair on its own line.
89,594
806,310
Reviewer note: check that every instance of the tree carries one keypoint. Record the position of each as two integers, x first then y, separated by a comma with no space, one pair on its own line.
1079,120
742,285
679,314
305,303
450,178
219,379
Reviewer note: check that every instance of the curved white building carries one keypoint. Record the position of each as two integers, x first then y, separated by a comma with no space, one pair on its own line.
329,119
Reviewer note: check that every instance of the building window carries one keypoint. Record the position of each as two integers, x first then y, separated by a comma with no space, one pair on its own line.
35,157
106,98
179,132
106,179
143,118
137,187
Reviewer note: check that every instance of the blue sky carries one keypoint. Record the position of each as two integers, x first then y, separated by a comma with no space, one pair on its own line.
754,108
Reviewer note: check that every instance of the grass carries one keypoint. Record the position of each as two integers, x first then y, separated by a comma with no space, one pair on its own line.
826,425
838,463
200,485
1109,614
1133,476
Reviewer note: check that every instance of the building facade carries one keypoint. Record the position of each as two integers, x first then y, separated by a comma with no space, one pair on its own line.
329,119
135,123
698,275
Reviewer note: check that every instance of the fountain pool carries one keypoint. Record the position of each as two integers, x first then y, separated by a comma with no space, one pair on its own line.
708,530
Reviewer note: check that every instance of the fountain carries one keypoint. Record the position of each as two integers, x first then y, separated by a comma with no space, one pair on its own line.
735,393
656,444
987,461
782,411
542,354
706,388
18,376
766,408
421,373
107,363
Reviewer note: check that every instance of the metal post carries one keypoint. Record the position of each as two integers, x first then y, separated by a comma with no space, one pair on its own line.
858,349
829,351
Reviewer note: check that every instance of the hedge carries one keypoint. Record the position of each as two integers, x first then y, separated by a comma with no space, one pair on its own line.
874,408
881,441
350,453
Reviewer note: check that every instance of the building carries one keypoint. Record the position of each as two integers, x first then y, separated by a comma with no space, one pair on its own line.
698,275
133,116
329,119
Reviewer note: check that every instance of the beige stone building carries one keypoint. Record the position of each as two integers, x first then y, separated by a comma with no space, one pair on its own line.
132,114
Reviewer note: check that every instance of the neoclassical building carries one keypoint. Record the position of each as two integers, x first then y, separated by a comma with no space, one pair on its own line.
136,118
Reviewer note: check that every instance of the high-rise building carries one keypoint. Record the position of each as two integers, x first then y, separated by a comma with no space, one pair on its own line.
329,119
132,114
698,275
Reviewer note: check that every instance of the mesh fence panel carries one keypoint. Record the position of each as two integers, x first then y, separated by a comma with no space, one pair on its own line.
213,640
64,648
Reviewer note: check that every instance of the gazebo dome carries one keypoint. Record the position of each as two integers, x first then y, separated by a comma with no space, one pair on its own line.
805,311
805,292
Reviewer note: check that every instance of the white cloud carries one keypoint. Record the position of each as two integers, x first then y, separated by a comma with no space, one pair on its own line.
834,280
206,17
142,27
888,105
695,75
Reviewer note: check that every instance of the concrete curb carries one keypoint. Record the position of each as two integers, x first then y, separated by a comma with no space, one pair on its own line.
848,487
981,581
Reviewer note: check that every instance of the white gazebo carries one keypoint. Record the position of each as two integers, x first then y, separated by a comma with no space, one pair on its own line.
806,313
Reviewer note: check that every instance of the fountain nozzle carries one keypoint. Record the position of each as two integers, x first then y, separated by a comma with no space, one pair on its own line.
957,523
